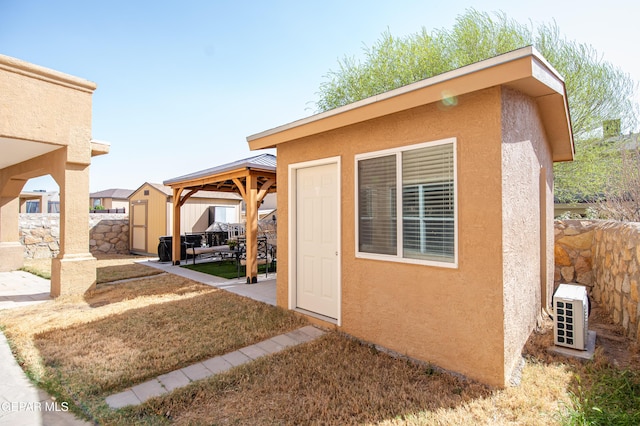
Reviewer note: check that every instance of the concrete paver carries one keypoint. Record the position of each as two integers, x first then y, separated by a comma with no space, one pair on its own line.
236,358
148,389
270,346
312,331
254,351
299,336
174,380
284,340
217,365
196,371
122,399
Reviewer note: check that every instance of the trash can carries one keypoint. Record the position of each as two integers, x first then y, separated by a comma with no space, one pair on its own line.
165,249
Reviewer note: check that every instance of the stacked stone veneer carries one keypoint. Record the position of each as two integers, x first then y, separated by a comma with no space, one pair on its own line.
605,257
40,234
572,251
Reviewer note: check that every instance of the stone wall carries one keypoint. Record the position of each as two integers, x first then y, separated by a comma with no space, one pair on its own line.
109,233
572,251
616,270
605,257
40,234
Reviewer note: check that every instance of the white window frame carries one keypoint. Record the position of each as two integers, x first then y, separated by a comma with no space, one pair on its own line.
398,257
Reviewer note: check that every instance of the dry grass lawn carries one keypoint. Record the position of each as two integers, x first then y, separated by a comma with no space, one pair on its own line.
109,268
337,380
84,349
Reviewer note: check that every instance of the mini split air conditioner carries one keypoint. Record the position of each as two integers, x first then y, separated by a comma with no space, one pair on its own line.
571,319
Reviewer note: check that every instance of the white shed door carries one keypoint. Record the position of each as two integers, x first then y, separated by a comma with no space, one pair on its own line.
317,216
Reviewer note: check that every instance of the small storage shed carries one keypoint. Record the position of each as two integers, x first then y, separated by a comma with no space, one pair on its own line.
421,219
151,214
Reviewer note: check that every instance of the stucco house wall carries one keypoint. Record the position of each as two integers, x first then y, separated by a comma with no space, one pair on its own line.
527,168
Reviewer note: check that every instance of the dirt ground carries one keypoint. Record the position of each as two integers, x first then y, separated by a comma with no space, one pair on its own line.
619,349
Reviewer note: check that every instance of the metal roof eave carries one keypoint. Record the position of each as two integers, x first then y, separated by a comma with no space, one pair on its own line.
264,162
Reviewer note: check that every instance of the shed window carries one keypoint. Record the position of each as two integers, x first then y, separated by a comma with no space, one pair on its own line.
423,176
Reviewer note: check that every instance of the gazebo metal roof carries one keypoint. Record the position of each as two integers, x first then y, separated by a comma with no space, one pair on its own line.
220,178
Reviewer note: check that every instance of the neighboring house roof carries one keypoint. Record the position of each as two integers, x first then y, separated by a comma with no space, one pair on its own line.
524,70
262,162
166,190
115,193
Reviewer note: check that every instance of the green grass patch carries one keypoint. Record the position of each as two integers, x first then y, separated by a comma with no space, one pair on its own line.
226,269
36,271
605,396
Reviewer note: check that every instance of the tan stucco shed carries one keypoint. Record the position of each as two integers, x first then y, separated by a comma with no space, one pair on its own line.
45,128
420,219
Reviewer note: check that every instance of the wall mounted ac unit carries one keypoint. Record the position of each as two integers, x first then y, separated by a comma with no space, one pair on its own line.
571,319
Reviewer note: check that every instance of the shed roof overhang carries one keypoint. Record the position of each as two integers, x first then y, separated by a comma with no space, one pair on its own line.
524,70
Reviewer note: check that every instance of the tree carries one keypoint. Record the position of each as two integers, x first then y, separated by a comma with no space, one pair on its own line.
622,193
597,91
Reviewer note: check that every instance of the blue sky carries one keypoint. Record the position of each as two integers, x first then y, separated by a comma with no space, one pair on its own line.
181,84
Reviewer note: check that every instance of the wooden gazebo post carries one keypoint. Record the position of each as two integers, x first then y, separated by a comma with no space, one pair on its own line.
252,229
175,242
249,193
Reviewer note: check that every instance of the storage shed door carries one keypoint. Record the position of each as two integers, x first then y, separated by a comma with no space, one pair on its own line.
139,227
317,229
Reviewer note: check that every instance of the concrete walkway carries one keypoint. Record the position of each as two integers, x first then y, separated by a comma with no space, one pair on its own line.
21,402
168,382
264,290
20,288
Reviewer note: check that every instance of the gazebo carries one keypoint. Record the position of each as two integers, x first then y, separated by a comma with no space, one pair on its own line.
253,178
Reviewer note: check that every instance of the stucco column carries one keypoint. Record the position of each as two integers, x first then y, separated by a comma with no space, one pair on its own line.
11,251
74,270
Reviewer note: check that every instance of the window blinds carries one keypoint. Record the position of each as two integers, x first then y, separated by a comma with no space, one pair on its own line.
377,205
428,203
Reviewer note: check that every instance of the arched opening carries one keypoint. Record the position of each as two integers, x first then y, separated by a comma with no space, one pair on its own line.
39,224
